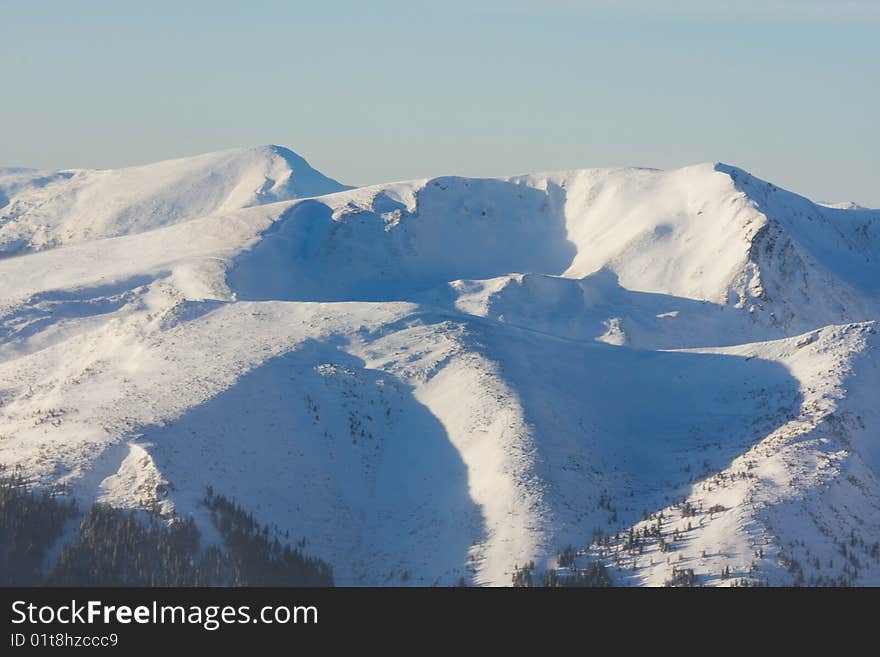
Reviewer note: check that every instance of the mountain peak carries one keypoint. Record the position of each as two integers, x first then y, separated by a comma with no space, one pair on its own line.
46,209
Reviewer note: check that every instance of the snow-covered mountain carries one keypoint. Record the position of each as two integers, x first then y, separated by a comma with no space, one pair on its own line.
443,379
46,209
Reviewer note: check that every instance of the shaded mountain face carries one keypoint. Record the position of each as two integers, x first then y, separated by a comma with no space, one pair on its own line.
444,379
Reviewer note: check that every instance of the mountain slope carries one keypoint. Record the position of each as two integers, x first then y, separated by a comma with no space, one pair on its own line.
443,379
40,210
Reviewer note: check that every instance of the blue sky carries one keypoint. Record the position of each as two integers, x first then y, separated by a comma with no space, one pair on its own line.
385,90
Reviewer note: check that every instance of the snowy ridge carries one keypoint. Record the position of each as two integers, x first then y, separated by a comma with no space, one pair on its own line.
40,210
441,379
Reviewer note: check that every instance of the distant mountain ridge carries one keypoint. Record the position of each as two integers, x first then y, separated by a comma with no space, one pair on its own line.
48,209
708,233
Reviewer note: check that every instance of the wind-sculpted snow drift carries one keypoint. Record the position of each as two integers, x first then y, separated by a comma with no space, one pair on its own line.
438,380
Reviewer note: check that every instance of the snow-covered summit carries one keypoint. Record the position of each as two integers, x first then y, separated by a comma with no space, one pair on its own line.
708,233
46,209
